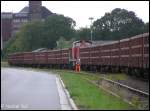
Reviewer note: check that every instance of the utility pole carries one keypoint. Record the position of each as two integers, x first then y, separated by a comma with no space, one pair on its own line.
91,18
1,36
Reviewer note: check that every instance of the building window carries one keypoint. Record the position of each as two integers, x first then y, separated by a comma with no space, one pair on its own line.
16,20
24,20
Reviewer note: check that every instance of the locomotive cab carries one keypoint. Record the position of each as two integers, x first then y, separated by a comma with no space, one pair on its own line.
74,54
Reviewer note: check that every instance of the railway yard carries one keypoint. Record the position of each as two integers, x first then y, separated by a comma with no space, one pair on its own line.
95,77
75,56
121,68
129,55
131,90
131,81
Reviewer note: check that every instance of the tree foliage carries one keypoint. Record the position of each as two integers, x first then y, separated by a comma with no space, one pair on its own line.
63,43
146,27
118,24
84,33
57,26
37,34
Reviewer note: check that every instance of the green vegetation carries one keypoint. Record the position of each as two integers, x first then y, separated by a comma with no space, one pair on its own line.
111,76
41,34
87,95
118,24
119,76
63,43
136,101
58,31
84,33
4,64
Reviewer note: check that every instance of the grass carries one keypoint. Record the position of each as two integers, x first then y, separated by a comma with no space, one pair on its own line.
88,96
119,76
4,64
112,76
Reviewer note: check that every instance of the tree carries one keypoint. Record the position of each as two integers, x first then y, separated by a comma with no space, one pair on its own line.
63,43
84,33
146,27
58,25
118,24
37,34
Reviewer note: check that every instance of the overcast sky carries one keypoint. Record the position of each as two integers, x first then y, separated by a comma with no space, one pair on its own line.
80,11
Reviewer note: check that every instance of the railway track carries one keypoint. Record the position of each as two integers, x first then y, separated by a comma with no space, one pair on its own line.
133,96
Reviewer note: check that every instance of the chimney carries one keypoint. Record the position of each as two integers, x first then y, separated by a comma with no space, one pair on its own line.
35,10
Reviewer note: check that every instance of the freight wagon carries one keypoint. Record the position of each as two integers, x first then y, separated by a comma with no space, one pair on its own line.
130,55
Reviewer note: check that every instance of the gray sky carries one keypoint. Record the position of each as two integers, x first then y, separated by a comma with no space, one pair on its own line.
80,11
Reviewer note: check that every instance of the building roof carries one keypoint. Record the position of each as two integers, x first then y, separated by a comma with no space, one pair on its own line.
25,10
40,50
45,11
95,43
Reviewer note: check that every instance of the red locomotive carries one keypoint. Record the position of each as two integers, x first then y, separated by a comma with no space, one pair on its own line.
130,55
77,45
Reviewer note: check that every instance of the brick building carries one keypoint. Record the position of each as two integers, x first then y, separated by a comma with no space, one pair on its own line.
6,25
11,22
